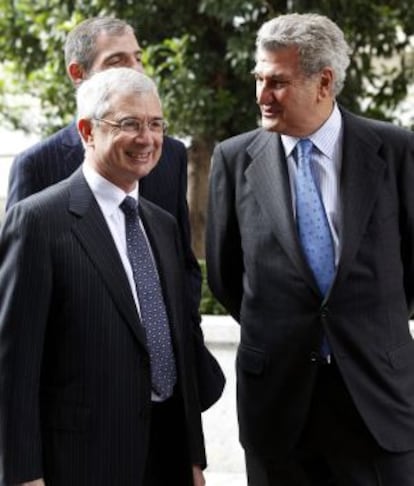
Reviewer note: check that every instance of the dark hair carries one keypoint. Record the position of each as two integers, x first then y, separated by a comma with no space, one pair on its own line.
80,43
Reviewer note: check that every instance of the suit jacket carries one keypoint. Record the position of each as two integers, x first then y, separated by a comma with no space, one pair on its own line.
75,394
57,157
257,269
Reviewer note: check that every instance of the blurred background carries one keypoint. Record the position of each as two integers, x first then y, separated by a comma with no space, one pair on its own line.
201,53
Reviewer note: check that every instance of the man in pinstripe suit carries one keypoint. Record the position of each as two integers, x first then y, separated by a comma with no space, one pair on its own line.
77,405
312,414
94,45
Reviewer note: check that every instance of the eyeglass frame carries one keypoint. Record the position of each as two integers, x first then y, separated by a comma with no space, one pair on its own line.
139,124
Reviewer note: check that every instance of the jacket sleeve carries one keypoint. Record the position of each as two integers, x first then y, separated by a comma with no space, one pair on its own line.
210,377
223,244
193,272
406,193
22,179
25,288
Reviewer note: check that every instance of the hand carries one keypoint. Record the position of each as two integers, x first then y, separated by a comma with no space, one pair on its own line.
198,476
36,482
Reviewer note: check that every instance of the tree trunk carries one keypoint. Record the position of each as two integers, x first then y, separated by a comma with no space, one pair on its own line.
199,156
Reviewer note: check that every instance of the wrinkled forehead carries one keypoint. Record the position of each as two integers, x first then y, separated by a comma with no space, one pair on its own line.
108,45
135,104
277,61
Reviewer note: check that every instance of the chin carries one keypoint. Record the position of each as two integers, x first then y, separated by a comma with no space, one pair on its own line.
270,125
144,171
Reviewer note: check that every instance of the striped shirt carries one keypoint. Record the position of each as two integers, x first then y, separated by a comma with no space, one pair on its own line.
326,166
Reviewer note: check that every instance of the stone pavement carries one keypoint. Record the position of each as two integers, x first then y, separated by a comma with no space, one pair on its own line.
225,479
224,454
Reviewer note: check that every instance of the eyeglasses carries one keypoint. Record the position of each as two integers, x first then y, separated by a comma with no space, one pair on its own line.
134,125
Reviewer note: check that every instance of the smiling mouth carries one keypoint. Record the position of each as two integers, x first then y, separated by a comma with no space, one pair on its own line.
269,112
139,157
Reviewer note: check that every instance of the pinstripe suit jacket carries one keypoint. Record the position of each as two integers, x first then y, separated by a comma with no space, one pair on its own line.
75,384
257,269
58,156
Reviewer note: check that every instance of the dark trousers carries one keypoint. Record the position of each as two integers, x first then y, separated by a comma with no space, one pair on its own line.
336,448
168,459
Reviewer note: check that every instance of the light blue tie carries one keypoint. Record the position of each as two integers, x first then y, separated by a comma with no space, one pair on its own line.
153,313
314,232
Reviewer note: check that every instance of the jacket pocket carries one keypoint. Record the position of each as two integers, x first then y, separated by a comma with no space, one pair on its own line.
65,416
402,356
251,360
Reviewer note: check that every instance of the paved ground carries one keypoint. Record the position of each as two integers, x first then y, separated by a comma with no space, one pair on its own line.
224,454
225,479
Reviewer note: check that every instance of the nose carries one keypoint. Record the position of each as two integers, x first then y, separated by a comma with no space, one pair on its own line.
263,94
144,134
136,64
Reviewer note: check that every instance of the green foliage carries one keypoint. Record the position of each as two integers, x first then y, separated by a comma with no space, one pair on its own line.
208,305
201,51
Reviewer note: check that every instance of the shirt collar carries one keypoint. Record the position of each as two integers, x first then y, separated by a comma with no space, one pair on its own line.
325,138
108,195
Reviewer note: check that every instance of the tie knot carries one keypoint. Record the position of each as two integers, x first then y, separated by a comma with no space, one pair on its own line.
304,148
129,206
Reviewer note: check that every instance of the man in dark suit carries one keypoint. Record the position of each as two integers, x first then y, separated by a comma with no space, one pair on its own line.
94,45
81,401
325,366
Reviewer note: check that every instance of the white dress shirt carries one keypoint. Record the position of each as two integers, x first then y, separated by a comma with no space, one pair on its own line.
109,197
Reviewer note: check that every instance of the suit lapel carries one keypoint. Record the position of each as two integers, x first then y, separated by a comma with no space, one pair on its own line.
361,178
362,173
93,233
269,180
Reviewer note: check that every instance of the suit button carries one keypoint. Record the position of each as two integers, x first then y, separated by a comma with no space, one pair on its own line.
314,357
324,313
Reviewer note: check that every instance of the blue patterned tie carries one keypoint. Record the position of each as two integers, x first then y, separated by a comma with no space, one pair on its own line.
153,313
314,232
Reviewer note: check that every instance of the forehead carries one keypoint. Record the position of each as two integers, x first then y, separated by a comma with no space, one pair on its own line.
276,62
136,104
108,43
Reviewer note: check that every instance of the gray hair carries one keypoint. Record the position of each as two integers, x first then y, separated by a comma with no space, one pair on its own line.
93,97
319,40
80,45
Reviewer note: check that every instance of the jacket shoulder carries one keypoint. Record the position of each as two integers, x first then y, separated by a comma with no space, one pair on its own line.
241,141
171,142
40,151
174,149
49,198
385,131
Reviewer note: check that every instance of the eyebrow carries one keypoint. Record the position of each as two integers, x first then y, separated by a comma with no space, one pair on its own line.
122,53
272,77
140,118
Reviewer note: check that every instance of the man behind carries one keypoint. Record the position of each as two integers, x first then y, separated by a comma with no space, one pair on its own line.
94,45
310,246
83,400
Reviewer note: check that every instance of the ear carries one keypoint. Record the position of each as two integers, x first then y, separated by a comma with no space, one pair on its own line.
326,84
76,73
85,131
